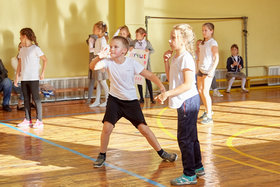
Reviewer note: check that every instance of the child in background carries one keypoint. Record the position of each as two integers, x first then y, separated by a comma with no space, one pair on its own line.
208,61
184,97
91,74
100,75
122,101
124,32
234,65
28,67
142,43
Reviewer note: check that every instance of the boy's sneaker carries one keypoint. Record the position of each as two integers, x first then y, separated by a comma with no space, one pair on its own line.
228,90
207,121
170,157
244,90
25,123
99,161
216,93
183,180
200,172
38,124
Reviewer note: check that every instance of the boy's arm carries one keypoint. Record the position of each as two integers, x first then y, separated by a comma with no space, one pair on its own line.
152,77
44,59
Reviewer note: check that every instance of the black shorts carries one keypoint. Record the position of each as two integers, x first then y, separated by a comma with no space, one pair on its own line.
116,109
200,74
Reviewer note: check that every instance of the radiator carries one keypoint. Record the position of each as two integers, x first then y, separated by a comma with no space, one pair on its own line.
273,70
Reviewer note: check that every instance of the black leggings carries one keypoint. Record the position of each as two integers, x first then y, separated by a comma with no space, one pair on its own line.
150,88
31,88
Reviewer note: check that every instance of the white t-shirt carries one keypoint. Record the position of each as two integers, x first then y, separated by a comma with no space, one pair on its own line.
121,77
177,65
100,44
30,62
205,56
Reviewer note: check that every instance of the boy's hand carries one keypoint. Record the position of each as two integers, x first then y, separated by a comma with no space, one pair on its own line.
104,53
161,97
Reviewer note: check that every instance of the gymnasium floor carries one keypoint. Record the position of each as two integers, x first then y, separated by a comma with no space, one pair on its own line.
242,148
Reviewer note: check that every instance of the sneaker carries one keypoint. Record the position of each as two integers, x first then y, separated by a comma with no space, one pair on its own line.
99,161
207,121
103,104
204,115
153,102
94,104
7,108
25,123
88,101
183,180
170,157
244,90
228,90
200,172
38,124
216,93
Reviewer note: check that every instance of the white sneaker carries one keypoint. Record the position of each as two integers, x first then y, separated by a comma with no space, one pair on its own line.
216,93
228,90
25,123
38,124
103,104
244,90
95,104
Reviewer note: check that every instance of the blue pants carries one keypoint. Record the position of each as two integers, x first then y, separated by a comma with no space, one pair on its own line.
6,86
187,135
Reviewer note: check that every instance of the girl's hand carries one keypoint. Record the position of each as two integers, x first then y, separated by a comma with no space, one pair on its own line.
104,53
16,83
42,76
239,67
131,48
147,50
235,63
167,55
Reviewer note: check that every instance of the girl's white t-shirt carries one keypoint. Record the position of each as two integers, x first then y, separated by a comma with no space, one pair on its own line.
177,65
121,77
205,55
100,44
30,62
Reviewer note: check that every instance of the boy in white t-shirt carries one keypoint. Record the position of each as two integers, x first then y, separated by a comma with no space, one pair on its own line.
122,100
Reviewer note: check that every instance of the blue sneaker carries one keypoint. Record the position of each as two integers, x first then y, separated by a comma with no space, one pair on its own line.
183,180
200,172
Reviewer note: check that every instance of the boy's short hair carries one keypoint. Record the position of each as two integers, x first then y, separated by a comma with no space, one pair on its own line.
123,40
141,31
234,46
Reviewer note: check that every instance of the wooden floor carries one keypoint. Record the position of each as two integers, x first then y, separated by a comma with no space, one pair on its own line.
242,148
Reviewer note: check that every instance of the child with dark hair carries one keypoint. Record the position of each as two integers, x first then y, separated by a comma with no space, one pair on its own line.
29,69
234,65
142,43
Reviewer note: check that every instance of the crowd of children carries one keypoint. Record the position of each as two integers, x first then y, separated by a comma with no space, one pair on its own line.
190,70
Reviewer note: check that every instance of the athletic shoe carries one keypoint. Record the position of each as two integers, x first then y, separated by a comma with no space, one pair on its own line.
216,93
25,123
38,124
94,104
99,161
207,121
228,90
200,172
183,180
103,104
244,90
170,157
153,102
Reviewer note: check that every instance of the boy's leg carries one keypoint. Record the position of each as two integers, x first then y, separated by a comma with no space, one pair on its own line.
151,138
105,136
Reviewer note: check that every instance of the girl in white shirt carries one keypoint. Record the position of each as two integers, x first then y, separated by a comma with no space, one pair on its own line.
29,69
100,75
208,61
184,97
